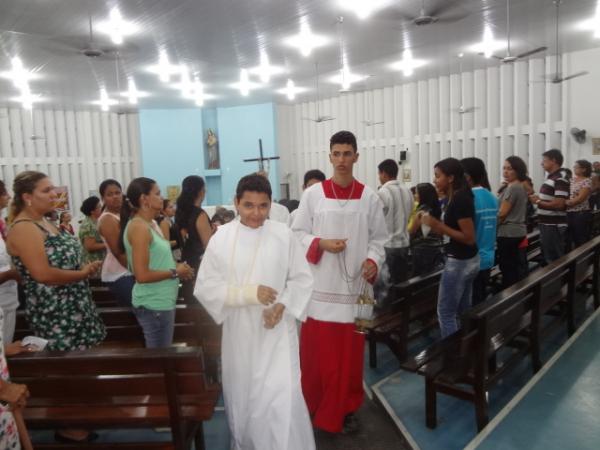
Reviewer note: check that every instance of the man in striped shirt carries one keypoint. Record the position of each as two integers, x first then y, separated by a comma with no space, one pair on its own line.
552,216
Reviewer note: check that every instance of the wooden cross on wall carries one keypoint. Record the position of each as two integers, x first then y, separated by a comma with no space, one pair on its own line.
261,159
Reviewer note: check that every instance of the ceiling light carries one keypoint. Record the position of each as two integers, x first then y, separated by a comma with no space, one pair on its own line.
488,45
116,27
164,69
362,8
306,41
27,99
132,92
105,101
186,87
345,77
198,92
290,90
592,24
408,64
265,71
244,85
18,74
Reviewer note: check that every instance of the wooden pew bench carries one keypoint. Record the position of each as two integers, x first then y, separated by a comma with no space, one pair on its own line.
465,365
407,312
193,327
118,388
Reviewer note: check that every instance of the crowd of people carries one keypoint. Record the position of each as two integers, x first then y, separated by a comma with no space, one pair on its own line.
309,263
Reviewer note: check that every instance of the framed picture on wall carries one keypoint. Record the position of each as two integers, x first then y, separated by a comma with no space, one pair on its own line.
406,175
62,198
173,192
595,146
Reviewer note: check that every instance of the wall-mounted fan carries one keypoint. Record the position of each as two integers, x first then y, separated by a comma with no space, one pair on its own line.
578,135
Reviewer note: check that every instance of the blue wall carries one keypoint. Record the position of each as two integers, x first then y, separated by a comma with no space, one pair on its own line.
171,145
240,127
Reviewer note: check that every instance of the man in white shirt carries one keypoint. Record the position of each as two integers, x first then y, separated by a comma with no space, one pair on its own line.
311,177
397,205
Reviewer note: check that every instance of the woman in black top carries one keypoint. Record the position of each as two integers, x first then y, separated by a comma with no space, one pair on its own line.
194,228
462,256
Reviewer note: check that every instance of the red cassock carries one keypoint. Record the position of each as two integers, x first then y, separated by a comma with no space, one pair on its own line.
331,352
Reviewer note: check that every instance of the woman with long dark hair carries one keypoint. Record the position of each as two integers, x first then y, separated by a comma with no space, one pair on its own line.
114,268
486,218
512,221
150,259
194,227
426,248
462,257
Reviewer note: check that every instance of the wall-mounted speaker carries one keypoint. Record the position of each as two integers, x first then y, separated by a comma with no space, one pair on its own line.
403,155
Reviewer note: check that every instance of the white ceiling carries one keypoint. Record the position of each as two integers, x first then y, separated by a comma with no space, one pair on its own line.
216,38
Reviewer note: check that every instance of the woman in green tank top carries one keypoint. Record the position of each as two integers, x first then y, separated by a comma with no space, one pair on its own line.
150,260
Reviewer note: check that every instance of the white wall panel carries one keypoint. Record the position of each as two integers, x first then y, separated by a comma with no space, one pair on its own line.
516,113
79,149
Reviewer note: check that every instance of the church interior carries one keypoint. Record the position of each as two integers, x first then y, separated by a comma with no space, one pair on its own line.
216,90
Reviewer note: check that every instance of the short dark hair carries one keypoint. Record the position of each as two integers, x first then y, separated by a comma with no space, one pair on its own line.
390,167
2,188
253,183
554,155
314,174
343,137
89,205
586,166
519,166
475,168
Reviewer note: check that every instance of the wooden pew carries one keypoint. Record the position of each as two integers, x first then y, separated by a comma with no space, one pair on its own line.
193,327
412,302
137,388
464,364
410,309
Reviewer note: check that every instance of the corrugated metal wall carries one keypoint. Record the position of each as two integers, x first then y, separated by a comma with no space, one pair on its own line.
79,149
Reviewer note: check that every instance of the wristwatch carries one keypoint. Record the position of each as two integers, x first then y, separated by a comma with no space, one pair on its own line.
174,275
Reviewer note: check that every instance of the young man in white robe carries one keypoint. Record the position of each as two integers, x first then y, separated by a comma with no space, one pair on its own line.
340,221
254,279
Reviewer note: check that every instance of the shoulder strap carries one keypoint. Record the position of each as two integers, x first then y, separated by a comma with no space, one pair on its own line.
33,222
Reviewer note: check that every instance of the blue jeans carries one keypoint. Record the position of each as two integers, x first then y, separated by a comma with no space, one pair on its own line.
552,241
158,326
122,289
454,295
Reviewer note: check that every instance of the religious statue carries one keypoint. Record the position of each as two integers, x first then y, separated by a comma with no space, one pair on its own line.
212,146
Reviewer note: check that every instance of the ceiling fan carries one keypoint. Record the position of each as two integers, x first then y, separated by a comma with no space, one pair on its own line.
319,117
433,16
558,77
444,12
509,58
465,109
369,123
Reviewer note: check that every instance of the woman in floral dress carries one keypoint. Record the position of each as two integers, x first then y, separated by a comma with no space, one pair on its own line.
10,393
59,307
93,247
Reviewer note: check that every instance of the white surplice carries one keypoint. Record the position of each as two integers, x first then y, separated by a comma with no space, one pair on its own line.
337,276
279,213
260,367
